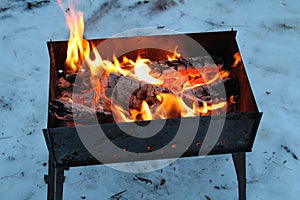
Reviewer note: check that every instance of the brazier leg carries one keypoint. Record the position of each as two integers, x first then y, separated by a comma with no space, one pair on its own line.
239,160
55,181
51,179
59,183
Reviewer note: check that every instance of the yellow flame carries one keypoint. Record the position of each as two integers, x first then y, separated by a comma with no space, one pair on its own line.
141,71
76,45
175,55
143,114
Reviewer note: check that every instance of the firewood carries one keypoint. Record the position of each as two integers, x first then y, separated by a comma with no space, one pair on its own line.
77,87
80,80
68,111
141,91
148,92
62,83
93,96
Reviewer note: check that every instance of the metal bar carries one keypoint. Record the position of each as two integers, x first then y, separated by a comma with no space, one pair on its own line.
55,180
51,178
59,183
239,160
52,81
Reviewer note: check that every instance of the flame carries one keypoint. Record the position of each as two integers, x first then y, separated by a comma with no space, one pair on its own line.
143,114
82,53
120,114
175,55
79,49
142,71
76,45
217,76
205,108
169,106
231,100
95,62
237,59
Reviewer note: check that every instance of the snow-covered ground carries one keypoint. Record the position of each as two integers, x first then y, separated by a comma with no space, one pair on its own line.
269,41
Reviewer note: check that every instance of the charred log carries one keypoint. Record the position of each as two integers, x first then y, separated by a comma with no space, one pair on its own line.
68,111
126,88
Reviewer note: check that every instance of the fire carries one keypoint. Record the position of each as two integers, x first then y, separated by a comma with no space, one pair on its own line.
141,71
143,114
121,114
208,77
79,49
237,59
96,62
81,52
175,55
76,45
169,107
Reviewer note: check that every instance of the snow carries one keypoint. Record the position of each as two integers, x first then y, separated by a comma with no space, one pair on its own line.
268,38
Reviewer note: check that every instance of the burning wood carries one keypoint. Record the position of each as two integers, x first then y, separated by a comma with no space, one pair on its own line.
67,111
203,88
176,87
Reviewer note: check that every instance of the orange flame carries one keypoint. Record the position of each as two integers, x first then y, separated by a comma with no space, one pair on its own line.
76,45
175,55
217,76
143,114
237,59
79,49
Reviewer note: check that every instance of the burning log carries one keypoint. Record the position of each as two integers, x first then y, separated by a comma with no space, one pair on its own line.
149,93
76,87
140,91
68,111
131,94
